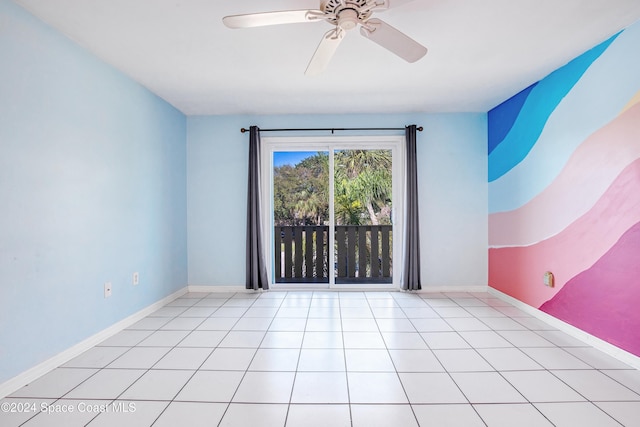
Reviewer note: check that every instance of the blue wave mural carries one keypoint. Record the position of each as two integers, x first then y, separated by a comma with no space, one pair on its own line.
504,116
537,106
563,192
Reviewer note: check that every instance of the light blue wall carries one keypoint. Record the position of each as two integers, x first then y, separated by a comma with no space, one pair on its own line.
92,188
452,181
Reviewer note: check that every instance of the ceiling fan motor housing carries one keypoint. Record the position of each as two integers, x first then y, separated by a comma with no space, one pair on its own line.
346,13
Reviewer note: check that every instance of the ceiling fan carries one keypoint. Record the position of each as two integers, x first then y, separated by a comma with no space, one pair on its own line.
344,15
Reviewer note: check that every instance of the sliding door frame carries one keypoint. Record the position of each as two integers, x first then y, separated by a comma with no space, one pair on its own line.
395,143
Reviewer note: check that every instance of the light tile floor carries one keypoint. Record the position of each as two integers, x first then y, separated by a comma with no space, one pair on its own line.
334,359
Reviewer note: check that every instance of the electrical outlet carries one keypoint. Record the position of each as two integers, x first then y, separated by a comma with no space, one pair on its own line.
107,289
136,278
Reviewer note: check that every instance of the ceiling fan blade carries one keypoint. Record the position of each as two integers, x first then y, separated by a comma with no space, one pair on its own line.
393,40
272,18
325,51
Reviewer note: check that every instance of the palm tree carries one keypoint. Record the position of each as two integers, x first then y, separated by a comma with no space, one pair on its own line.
311,207
362,189
364,176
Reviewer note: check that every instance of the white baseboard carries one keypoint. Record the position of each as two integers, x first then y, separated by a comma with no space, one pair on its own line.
39,370
208,288
285,287
608,348
451,289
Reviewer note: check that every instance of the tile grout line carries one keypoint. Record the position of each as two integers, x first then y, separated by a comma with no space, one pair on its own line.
295,374
194,372
555,345
533,404
151,367
415,417
475,410
251,361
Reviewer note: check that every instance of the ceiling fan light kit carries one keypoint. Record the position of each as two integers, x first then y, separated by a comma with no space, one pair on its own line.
344,15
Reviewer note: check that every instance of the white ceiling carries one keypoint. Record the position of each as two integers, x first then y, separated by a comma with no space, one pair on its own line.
480,52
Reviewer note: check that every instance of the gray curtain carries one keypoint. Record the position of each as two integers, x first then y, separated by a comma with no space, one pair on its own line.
256,270
411,272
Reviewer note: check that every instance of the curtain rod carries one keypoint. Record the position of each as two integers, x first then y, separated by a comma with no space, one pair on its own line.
243,130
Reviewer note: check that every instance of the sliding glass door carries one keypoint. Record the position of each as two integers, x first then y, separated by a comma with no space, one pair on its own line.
334,204
301,218
363,206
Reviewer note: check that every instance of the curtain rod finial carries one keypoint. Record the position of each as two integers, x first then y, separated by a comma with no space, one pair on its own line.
243,130
420,129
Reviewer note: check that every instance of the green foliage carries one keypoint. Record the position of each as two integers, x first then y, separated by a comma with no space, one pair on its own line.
348,210
301,192
363,183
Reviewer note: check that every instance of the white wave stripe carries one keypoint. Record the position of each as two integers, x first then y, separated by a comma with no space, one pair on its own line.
609,152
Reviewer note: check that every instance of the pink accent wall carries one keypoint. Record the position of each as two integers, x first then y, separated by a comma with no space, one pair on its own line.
599,300
586,176
518,271
568,196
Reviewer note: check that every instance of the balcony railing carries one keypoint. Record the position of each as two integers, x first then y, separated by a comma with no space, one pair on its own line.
363,254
